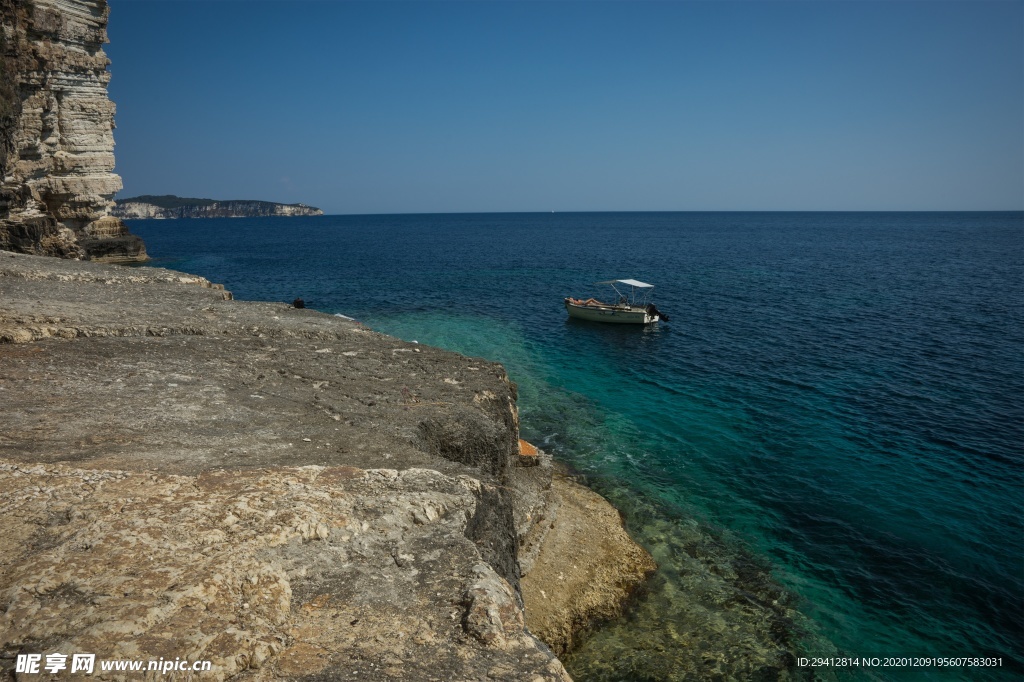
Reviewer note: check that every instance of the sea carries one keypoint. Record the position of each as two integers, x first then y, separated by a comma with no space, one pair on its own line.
822,447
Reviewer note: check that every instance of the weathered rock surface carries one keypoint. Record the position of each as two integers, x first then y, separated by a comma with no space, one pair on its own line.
56,134
312,572
172,207
569,586
280,491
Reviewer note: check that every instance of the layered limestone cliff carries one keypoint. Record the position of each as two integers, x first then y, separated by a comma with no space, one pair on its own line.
283,493
56,134
170,207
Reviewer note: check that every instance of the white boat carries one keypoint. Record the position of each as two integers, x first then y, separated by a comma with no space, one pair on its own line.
632,308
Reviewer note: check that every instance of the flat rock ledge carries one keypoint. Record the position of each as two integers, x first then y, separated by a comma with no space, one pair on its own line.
283,493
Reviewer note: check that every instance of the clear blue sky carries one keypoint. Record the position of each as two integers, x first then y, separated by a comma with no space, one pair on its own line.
395,107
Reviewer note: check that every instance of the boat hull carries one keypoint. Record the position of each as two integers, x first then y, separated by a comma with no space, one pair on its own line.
611,314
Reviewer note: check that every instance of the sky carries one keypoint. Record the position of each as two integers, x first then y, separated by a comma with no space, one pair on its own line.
436,107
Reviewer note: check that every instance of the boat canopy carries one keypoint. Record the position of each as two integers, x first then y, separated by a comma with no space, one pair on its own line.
629,282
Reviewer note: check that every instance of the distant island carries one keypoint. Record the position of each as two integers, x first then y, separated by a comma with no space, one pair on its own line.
170,206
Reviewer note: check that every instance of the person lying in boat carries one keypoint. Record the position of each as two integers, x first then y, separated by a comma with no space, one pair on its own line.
589,301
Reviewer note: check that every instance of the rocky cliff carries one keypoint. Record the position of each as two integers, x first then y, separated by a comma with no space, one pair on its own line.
56,134
170,206
283,493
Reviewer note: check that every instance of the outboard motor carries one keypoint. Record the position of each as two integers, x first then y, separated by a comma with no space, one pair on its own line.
653,310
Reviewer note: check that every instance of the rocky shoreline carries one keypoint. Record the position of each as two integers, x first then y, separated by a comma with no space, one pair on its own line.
281,492
170,207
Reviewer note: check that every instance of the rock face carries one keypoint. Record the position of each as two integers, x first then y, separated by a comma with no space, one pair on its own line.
333,572
56,134
281,492
568,585
170,206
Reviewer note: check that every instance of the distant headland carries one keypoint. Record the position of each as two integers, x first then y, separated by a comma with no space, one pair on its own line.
170,206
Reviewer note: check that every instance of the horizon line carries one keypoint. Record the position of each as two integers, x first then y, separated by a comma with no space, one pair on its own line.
902,210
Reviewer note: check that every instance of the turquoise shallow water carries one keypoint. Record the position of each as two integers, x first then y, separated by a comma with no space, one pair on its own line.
836,397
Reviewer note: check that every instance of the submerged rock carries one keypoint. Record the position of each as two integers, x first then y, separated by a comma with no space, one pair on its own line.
711,612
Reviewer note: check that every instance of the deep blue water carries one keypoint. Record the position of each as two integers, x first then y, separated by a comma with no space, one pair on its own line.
838,393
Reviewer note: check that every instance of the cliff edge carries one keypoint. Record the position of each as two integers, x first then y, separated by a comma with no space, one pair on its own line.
56,134
280,492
